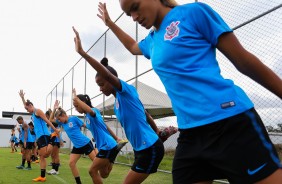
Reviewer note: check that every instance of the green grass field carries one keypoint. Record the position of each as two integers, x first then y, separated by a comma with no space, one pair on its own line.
10,175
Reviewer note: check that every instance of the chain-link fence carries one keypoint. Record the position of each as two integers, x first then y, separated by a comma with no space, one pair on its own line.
258,26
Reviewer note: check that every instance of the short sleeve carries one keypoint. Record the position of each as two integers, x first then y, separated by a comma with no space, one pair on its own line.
209,23
145,45
79,122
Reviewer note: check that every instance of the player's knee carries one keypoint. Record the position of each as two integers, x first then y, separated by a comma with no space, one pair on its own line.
104,174
71,164
92,172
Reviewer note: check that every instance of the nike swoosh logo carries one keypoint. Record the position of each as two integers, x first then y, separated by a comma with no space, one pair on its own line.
252,172
138,168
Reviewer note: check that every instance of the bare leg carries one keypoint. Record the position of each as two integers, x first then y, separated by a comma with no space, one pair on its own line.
72,163
135,178
99,169
274,178
42,152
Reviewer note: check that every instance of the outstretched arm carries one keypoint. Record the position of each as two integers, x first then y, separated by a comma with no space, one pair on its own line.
129,43
249,64
104,72
21,93
52,115
81,104
42,115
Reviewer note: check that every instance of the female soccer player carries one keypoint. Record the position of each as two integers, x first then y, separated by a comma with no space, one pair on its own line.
107,146
148,148
81,143
42,134
215,117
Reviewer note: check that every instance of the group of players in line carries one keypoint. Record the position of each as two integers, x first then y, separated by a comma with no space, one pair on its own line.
42,137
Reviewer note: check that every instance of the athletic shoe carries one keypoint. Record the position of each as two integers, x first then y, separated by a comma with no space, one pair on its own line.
121,144
40,179
20,167
49,172
54,134
167,132
27,168
53,172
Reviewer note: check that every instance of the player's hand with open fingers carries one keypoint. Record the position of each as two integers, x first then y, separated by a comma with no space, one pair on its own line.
56,104
75,99
77,41
21,93
103,13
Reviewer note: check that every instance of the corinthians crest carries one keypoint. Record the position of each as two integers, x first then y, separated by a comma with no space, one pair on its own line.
172,31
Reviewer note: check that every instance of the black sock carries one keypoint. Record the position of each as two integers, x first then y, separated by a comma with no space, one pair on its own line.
28,164
57,167
53,165
23,162
43,173
77,179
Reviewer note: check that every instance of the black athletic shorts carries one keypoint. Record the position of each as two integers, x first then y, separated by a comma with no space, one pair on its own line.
237,148
87,149
148,160
28,145
58,144
109,154
43,141
21,142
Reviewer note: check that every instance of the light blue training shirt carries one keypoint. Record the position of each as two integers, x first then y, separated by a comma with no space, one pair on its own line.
131,114
40,126
99,131
183,54
72,128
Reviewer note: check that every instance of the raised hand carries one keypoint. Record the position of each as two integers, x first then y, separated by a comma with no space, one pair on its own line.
56,104
77,41
73,93
74,97
21,93
103,13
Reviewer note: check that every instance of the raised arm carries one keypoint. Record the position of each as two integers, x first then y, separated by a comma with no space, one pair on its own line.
41,114
55,107
129,43
104,72
21,93
81,104
249,64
